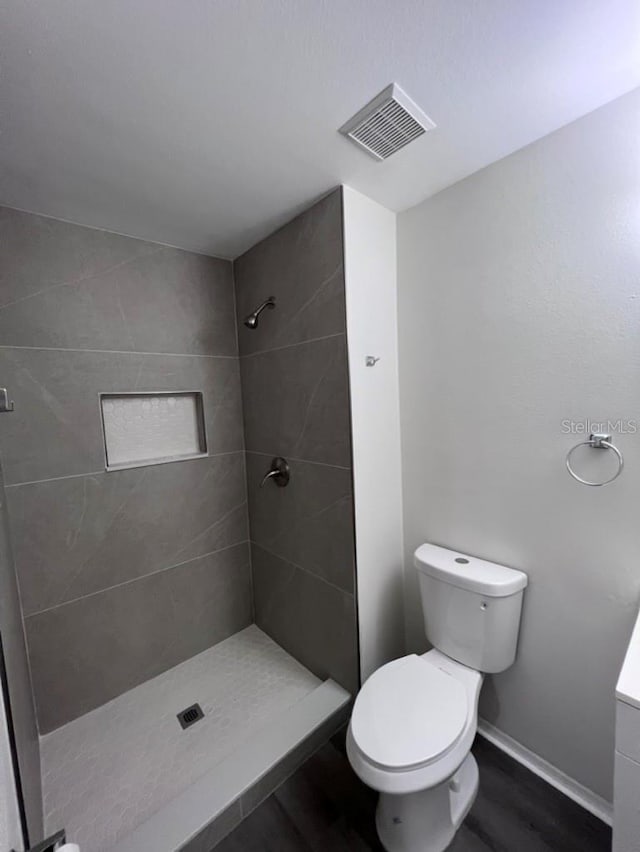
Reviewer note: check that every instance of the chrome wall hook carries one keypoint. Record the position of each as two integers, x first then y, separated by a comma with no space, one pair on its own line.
5,403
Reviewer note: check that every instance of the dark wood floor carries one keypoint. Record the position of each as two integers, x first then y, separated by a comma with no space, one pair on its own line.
323,807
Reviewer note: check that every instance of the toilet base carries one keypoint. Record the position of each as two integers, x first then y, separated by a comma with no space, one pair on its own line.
428,820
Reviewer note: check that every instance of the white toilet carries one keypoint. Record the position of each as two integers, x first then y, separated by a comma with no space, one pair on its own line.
415,718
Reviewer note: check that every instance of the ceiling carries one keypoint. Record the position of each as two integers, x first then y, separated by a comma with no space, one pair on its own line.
207,123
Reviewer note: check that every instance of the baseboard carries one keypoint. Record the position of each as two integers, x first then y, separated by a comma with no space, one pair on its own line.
589,800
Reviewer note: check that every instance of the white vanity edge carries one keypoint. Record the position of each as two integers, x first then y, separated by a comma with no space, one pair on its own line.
628,686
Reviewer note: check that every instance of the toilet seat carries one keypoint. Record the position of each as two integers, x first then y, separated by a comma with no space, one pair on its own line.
409,714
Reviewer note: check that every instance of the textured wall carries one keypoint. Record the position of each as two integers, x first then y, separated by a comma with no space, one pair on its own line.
127,573
518,309
296,404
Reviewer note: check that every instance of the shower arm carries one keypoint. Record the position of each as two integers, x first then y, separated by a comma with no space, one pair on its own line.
251,320
268,303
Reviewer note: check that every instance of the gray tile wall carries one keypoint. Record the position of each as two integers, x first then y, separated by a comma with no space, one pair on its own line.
127,573
296,404
19,681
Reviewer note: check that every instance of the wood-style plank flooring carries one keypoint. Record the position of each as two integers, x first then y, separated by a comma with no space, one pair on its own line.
323,807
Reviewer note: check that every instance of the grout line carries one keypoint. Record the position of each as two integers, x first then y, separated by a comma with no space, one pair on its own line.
235,306
54,478
136,579
239,375
248,527
120,469
119,352
291,345
304,570
302,461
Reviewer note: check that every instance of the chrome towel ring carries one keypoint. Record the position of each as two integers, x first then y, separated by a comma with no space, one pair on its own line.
598,441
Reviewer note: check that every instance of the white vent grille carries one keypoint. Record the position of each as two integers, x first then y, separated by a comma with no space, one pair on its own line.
387,123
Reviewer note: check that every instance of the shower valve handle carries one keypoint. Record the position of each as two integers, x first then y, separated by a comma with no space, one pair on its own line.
279,472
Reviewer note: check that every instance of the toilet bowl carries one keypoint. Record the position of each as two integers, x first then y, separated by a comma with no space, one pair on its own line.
410,737
415,718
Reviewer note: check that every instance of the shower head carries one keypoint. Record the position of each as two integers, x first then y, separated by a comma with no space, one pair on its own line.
251,320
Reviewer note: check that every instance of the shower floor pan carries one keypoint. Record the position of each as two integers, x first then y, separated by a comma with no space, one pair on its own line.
127,777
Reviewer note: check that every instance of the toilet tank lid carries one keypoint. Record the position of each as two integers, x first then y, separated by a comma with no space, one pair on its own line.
469,572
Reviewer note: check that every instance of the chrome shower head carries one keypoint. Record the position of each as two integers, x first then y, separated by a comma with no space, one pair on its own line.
251,320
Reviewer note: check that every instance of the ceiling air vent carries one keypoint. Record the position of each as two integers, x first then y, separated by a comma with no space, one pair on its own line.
387,123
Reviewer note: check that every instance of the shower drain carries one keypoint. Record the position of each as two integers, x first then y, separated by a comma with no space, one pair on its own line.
190,716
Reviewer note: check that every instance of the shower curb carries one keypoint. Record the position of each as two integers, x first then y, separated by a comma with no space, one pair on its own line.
209,809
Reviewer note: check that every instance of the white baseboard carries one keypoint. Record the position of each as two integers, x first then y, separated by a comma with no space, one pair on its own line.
589,800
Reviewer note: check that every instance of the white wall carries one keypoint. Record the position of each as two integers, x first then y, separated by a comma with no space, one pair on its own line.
519,307
371,296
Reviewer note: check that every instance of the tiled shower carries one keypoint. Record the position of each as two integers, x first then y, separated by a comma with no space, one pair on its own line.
296,404
136,578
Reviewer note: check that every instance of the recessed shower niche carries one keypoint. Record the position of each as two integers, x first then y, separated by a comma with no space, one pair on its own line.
151,428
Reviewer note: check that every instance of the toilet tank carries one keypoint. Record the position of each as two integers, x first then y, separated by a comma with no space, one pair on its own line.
471,607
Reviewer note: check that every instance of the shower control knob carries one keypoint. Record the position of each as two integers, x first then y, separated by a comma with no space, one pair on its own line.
279,473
